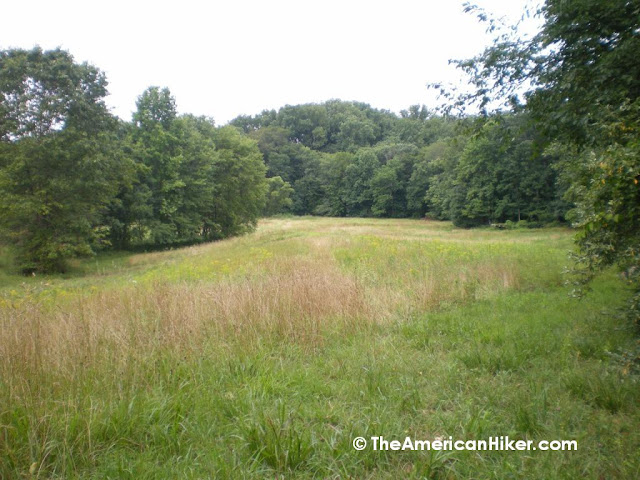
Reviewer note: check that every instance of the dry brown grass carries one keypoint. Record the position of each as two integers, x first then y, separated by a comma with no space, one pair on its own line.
293,299
432,288
289,297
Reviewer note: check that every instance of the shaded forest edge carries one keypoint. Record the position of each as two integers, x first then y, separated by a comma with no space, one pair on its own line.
77,180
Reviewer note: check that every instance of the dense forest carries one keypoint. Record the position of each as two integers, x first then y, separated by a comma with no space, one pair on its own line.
348,159
76,180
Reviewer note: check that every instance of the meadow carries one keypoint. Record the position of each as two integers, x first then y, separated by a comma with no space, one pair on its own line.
264,356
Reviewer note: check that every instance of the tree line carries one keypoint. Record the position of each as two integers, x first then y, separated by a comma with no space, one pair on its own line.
75,179
578,80
349,159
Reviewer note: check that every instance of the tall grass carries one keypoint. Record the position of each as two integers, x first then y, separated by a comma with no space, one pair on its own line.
267,354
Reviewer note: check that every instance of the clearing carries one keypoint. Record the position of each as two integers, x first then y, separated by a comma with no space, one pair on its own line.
266,355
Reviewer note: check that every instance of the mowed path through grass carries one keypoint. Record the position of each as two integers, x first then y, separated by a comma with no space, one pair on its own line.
266,355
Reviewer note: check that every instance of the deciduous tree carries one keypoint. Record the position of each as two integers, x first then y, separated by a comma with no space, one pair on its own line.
59,161
579,79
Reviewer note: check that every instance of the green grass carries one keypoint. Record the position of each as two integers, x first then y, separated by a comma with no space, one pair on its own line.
330,329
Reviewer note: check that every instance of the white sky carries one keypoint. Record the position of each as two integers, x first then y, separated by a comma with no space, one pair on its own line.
227,58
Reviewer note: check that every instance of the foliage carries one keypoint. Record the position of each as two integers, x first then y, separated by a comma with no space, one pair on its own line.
278,197
239,185
499,178
74,179
333,126
177,179
157,145
579,79
58,156
419,184
348,159
191,181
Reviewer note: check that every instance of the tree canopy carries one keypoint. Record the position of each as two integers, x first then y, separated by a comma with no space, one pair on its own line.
57,155
75,179
579,82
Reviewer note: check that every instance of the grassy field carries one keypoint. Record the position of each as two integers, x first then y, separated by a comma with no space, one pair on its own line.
264,356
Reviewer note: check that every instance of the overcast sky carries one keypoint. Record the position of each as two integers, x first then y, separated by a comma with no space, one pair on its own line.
227,58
